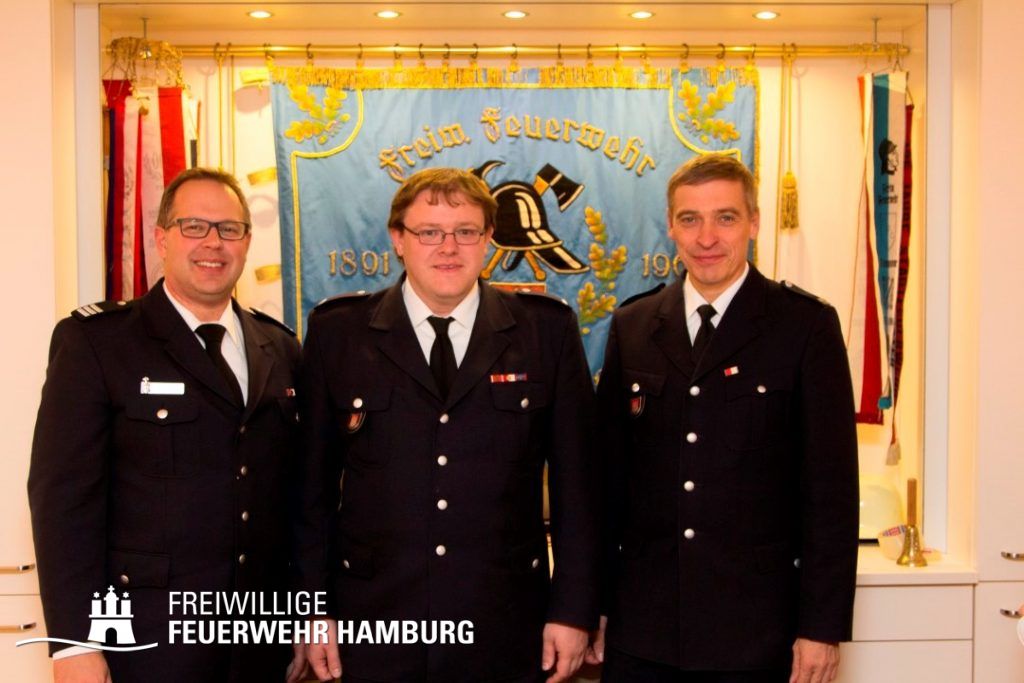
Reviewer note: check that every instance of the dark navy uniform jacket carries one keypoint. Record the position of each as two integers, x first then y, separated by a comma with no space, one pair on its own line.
732,484
160,492
419,508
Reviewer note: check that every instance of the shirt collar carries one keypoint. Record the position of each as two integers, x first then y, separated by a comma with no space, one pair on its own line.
228,318
693,300
464,314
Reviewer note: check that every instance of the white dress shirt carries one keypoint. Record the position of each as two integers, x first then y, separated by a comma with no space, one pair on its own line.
692,300
458,331
233,345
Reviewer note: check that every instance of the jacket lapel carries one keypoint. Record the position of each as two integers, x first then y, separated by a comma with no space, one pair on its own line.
258,358
398,340
486,343
743,321
669,328
164,322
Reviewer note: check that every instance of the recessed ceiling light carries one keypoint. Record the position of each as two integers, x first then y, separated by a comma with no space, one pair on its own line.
767,15
515,14
388,14
642,14
260,14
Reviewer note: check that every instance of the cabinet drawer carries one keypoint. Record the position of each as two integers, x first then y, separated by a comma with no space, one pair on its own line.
935,661
888,613
28,662
998,653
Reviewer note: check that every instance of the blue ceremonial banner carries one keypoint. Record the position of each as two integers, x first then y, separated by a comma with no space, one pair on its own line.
577,158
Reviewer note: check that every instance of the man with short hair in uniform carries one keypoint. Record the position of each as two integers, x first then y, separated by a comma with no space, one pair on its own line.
726,415
163,452
429,411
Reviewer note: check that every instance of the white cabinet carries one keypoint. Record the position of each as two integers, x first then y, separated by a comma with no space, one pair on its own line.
934,661
909,632
998,654
21,617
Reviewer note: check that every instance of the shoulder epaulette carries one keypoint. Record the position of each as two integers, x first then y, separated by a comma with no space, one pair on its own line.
100,308
641,295
542,296
790,287
267,318
331,301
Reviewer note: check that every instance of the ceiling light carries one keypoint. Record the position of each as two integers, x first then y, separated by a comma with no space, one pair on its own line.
767,15
260,14
642,14
515,14
388,14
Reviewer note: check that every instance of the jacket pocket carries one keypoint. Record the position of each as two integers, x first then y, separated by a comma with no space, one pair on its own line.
133,569
160,436
361,418
757,409
518,417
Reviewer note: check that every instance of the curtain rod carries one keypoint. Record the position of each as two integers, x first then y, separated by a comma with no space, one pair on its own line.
680,51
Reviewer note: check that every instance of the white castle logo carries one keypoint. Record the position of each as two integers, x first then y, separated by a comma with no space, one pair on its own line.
111,612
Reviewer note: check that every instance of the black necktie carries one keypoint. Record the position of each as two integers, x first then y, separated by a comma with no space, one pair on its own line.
442,355
212,334
703,338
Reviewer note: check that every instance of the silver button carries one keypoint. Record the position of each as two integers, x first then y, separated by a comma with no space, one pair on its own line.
161,414
346,564
442,460
761,389
796,563
124,579
440,550
442,504
525,403
694,390
243,470
535,563
635,388
688,486
688,534
245,515
241,430
357,403
691,437
444,419
241,559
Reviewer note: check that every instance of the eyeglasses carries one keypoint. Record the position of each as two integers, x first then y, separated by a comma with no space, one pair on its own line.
198,228
431,237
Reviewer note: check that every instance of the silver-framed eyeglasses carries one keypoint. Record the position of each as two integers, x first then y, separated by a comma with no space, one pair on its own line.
431,237
198,228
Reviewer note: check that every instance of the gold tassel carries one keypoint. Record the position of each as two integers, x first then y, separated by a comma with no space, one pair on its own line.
790,219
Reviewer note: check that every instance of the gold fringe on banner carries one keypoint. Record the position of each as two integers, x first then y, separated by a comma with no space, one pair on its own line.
467,77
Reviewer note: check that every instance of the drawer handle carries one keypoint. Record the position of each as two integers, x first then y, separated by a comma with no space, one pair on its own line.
1013,557
1011,613
18,568
17,628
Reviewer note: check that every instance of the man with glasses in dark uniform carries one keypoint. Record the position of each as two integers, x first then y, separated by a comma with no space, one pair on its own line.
430,410
163,452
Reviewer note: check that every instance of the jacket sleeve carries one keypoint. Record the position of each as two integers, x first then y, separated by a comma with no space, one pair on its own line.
611,429
317,472
829,492
68,481
573,487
